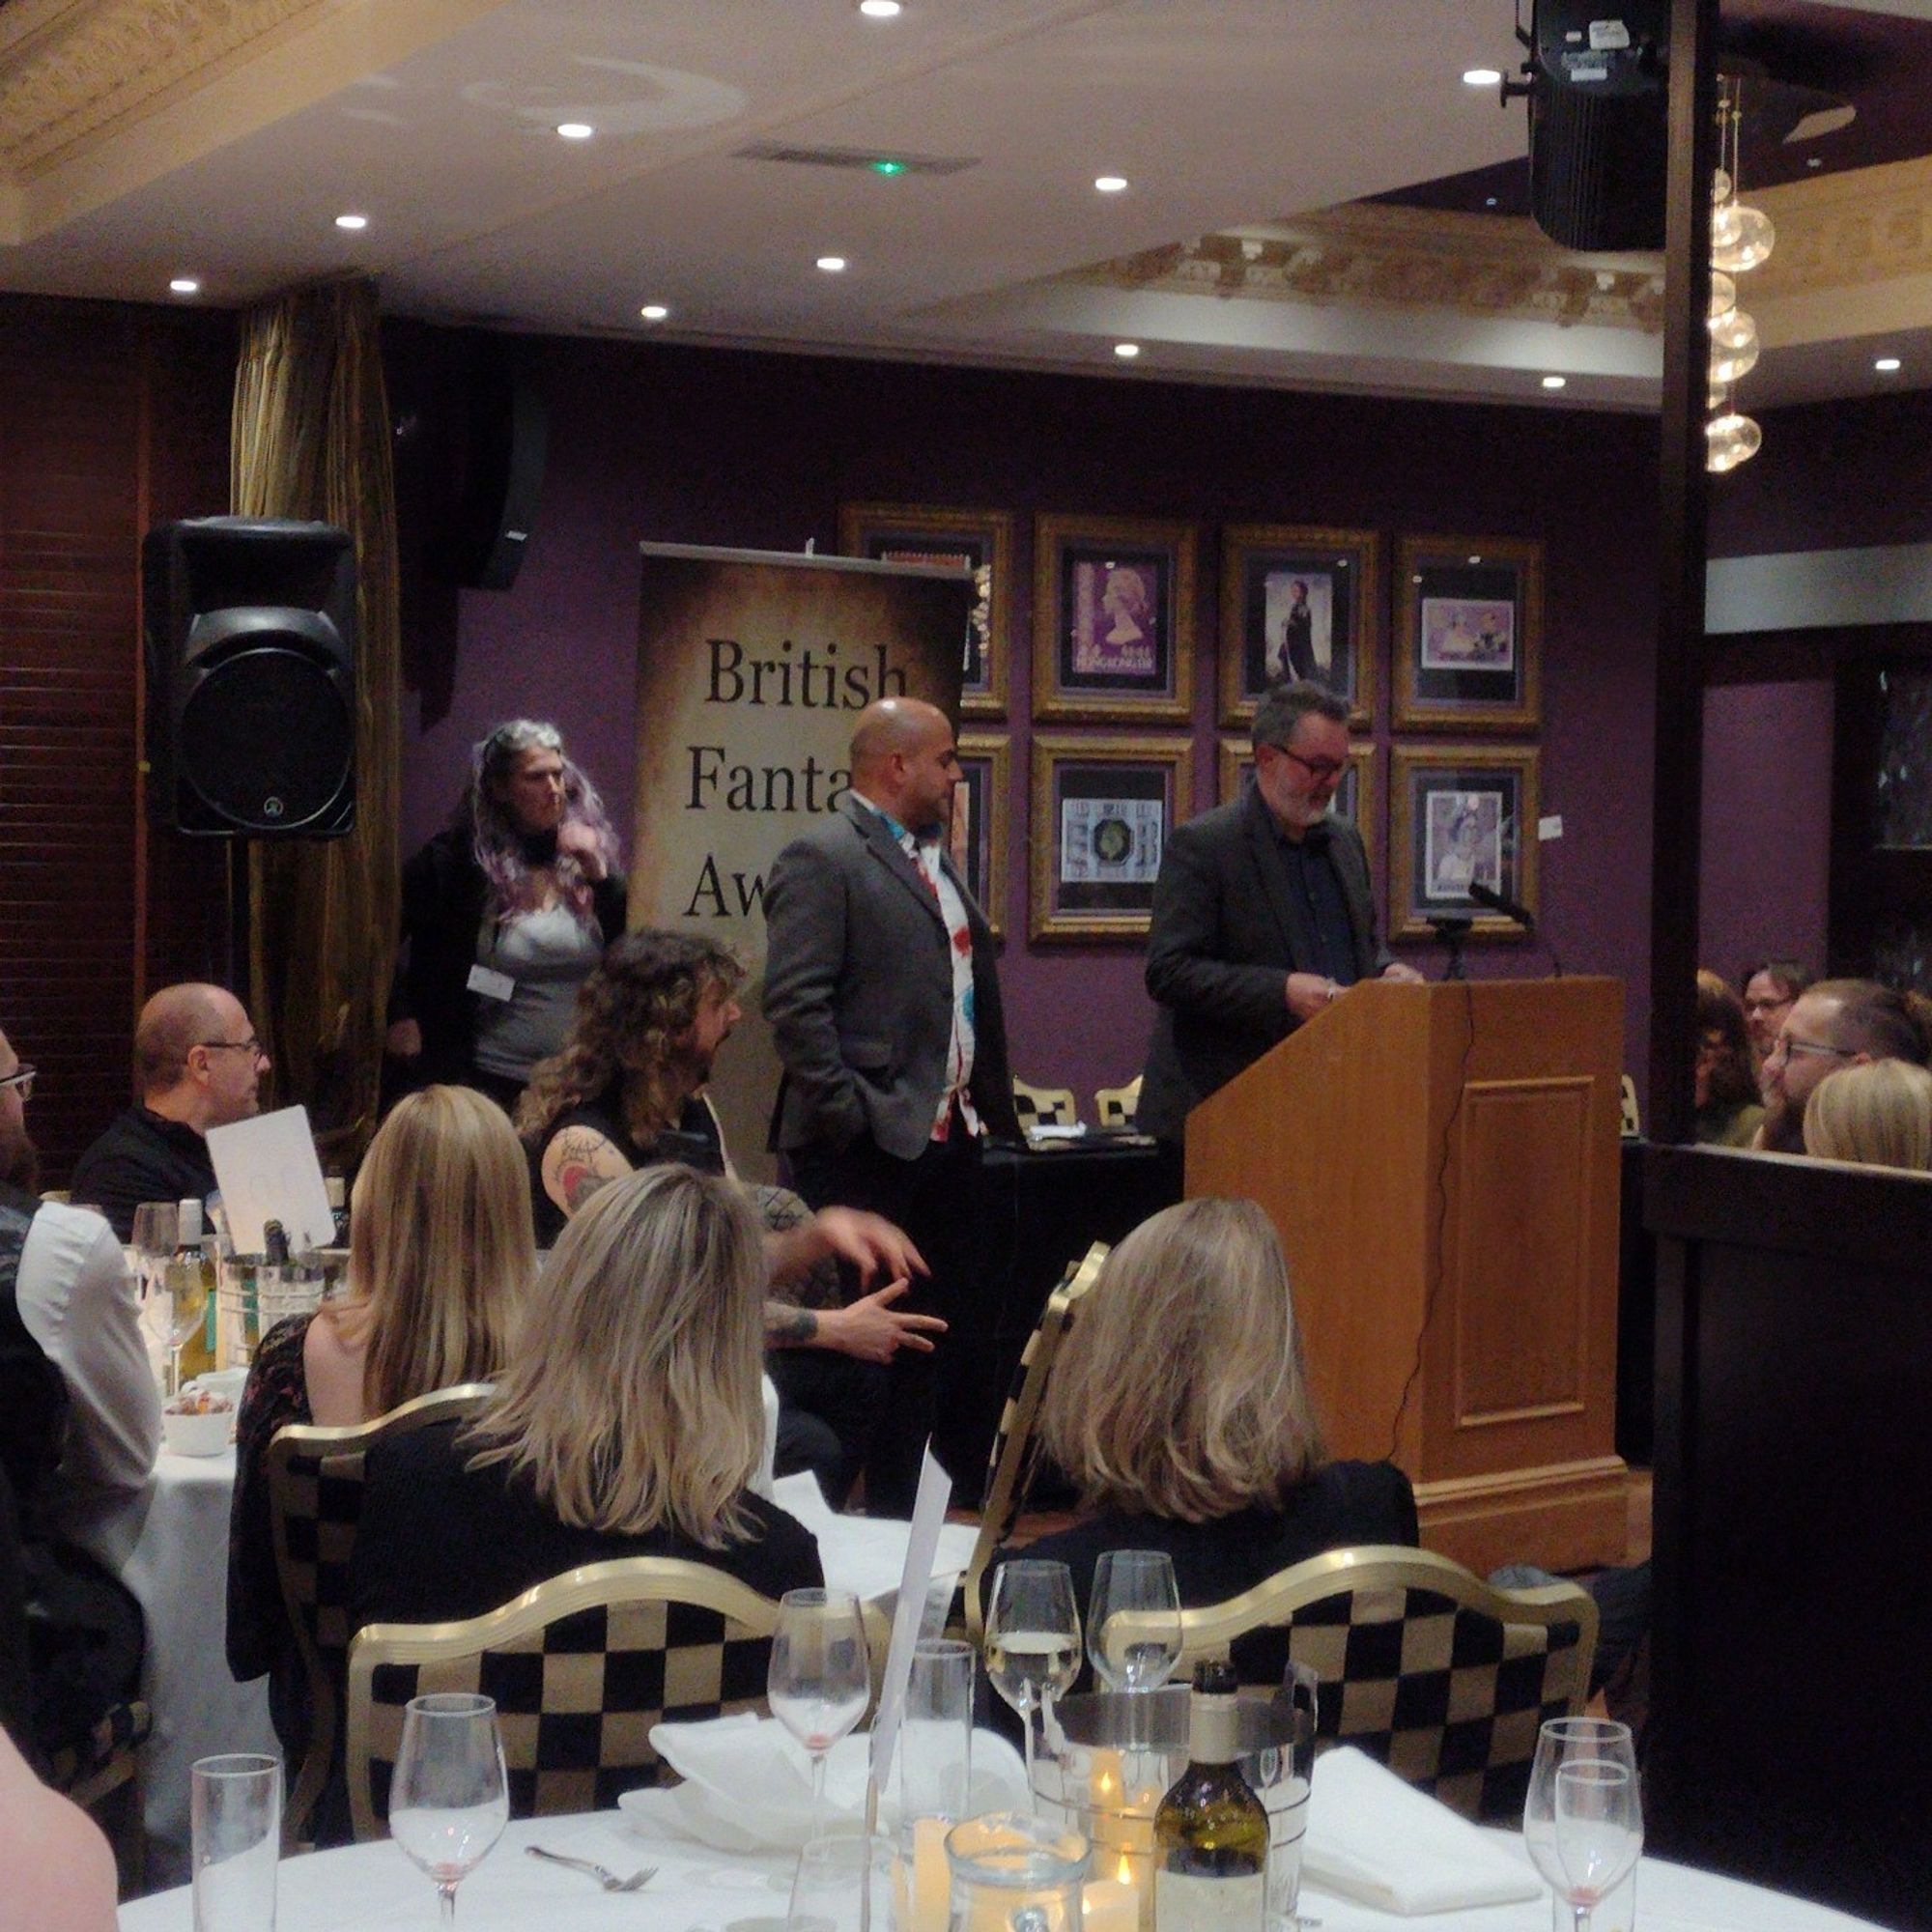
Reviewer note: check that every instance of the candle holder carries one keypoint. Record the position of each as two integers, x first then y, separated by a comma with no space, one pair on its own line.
1015,1873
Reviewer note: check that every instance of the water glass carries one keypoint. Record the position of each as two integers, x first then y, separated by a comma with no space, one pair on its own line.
936,1732
1138,1583
449,1799
234,1811
843,1884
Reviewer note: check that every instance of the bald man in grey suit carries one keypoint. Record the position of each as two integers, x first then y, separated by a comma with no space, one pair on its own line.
884,1003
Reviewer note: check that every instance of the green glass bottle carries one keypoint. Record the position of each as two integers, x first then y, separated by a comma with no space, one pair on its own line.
1210,1835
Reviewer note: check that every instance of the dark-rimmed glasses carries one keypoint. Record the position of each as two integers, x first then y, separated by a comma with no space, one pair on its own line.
1322,771
250,1045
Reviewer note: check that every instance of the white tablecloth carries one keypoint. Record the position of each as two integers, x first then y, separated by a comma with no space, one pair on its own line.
375,1889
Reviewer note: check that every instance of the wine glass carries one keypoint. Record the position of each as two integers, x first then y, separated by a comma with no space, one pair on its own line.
1583,1822
819,1682
186,1306
842,1884
1033,1639
448,1802
1139,1582
154,1237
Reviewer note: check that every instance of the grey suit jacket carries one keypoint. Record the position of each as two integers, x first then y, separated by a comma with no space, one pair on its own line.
859,993
1227,931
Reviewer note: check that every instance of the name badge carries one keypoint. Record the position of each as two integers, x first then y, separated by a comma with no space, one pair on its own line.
493,986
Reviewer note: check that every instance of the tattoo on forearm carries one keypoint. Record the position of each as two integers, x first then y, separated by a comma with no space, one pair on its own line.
789,1327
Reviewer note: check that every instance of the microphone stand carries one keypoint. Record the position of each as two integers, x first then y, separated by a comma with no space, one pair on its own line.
1452,928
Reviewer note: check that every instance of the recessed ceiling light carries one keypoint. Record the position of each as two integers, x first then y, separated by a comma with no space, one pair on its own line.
576,130
353,223
654,311
833,265
1111,184
1126,351
1488,201
880,9
1476,559
1556,382
1480,77
1886,365
184,285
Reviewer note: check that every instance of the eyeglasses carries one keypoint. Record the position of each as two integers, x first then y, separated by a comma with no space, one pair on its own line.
21,1080
250,1046
1788,1046
1770,1003
1324,771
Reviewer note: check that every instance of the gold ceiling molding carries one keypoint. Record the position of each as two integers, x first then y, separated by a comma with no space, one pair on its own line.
1846,230
1367,254
70,71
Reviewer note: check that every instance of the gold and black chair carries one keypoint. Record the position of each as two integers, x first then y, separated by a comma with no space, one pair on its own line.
580,1667
1422,1665
1045,1106
315,1507
1116,1106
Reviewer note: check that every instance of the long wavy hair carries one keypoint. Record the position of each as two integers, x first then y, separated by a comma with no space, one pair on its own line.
634,1020
1720,1025
643,1406
517,884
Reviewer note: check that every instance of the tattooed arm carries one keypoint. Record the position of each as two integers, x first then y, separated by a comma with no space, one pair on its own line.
577,1163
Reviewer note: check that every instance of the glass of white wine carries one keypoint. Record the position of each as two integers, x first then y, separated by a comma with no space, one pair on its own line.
1032,1640
187,1309
819,1682
449,1800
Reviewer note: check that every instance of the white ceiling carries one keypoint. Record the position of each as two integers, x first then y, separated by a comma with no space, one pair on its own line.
436,119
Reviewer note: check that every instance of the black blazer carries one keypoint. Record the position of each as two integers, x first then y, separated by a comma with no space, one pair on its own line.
1227,931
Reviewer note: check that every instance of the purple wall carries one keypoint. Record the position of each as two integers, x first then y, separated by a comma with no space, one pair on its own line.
704,446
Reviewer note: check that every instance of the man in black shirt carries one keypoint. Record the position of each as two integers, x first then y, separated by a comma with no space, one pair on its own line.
198,1064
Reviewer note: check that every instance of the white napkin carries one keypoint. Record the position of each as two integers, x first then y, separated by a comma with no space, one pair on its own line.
1375,1838
748,1785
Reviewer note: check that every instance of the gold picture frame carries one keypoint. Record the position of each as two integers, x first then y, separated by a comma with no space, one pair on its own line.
976,831
1468,652
1300,601
1099,793
1459,812
1357,799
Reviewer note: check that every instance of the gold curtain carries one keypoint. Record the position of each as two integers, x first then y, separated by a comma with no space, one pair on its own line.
311,440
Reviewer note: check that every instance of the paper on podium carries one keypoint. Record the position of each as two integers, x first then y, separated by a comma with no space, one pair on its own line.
268,1172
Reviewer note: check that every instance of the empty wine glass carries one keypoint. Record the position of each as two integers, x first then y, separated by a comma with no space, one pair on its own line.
1033,1639
819,1682
1583,1822
1139,1582
449,1802
154,1237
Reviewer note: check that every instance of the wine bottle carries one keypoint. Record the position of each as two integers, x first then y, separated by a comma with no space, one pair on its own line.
1210,1835
337,1191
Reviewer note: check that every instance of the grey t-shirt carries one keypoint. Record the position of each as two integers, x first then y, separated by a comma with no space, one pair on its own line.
549,954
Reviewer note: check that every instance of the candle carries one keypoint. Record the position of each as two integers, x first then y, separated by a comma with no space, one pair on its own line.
1110,1905
932,1881
1104,1782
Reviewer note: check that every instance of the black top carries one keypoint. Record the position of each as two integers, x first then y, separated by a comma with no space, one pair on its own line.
1311,878
693,1141
142,1157
439,1541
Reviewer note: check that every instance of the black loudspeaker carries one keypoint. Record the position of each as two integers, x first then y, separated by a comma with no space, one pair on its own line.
1598,142
251,677
504,444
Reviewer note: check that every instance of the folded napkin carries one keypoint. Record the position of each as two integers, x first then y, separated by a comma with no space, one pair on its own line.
748,1785
1375,1838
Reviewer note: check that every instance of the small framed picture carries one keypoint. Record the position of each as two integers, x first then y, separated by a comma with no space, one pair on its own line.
1461,814
1113,619
982,540
1470,621
1356,798
1299,602
976,839
1102,809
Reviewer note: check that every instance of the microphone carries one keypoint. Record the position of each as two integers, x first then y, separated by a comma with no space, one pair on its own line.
1493,901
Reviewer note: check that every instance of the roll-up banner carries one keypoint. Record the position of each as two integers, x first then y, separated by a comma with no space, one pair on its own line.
753,669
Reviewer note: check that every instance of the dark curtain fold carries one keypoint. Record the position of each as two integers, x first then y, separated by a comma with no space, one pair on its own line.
311,439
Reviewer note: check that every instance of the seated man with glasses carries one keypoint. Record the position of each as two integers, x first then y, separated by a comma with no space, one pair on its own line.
1262,913
1836,1023
198,1064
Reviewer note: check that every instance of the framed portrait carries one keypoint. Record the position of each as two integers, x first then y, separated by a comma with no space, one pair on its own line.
982,540
1113,619
1461,814
1469,634
976,838
1102,809
1299,602
1356,797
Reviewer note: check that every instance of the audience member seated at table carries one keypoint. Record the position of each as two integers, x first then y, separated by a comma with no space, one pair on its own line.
635,1430
440,1263
1768,990
1729,1112
626,1092
1879,1115
197,1065
1835,1024
1180,1410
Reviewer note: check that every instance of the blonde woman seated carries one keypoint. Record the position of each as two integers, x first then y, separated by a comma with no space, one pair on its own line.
634,1430
1880,1114
1179,1410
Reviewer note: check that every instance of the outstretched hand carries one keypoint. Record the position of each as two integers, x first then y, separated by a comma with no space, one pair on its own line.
869,1242
873,1330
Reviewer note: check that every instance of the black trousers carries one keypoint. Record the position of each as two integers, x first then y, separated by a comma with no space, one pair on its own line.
931,1199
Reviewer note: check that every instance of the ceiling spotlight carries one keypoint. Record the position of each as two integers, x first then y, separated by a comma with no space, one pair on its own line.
1488,201
1111,184
1556,382
1886,365
576,130
833,265
1481,76
184,285
654,311
881,10
354,224
1126,351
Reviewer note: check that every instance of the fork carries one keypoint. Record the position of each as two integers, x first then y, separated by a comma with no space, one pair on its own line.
608,1880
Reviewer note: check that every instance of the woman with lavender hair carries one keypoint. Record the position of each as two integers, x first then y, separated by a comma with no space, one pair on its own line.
505,914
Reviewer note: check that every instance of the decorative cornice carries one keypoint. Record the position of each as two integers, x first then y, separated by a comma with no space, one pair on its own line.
1847,230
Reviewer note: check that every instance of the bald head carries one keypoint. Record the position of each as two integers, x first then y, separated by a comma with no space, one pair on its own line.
195,1057
905,760
894,725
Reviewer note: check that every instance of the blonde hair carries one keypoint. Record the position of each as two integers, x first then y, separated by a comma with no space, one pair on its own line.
1881,1113
1180,1389
440,1249
643,1407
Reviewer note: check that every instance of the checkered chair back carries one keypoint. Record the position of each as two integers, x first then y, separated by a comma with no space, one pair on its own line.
1045,1106
582,1667
1116,1106
1422,1665
1008,1466
315,1506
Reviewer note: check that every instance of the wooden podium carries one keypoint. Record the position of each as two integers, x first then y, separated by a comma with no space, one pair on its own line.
1442,1164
